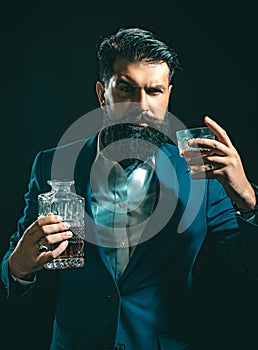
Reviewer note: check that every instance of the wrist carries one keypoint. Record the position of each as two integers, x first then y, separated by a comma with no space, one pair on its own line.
248,213
18,274
24,281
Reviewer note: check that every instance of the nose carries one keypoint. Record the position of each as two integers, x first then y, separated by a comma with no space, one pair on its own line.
141,98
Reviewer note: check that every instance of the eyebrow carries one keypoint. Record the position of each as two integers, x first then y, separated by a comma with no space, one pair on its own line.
128,81
125,80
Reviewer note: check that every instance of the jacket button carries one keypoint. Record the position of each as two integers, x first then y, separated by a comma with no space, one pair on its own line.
113,296
120,347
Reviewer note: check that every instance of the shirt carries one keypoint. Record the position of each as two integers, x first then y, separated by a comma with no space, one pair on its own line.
122,200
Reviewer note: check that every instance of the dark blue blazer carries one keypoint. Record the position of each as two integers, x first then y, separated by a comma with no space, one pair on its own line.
149,307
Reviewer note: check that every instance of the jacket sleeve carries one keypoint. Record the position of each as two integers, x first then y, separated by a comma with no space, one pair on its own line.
234,238
14,290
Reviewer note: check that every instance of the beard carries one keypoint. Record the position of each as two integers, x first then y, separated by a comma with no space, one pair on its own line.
134,136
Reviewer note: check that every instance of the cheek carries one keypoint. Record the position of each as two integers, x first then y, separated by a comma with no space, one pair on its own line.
117,110
159,108
113,95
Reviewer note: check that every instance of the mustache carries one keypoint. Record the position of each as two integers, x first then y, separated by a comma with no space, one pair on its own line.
138,118
134,131
135,118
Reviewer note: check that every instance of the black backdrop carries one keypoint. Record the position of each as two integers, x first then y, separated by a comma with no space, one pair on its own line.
48,75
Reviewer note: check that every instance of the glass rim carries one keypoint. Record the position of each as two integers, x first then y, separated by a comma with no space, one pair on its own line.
196,129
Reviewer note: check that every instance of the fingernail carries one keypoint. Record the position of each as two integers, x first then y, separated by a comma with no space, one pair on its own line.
69,234
59,217
191,142
66,224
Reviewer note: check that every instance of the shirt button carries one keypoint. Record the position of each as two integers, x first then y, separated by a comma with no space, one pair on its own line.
120,347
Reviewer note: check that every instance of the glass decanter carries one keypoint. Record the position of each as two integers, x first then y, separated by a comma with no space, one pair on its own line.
70,206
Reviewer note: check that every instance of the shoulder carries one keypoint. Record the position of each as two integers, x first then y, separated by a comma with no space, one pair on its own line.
60,161
71,147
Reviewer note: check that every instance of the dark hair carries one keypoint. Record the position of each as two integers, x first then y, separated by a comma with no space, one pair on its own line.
135,44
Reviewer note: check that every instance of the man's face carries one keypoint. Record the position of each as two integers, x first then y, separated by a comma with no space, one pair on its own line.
138,87
135,102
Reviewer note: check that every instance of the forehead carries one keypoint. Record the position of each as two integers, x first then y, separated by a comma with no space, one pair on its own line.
139,70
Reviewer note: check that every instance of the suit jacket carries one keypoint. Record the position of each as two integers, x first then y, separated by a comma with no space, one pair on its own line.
149,308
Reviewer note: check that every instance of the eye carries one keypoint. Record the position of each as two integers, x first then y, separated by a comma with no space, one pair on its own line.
153,91
126,88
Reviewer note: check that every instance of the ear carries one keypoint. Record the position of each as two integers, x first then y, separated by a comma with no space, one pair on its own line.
100,90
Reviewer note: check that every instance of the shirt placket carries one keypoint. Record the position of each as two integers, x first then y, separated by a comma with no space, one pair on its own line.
118,186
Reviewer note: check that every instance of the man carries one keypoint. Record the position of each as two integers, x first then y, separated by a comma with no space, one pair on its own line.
147,219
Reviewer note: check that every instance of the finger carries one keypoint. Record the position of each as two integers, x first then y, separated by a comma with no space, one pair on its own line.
194,153
203,175
49,219
45,257
56,238
218,130
195,161
54,228
40,233
209,146
220,161
52,254
46,244
43,220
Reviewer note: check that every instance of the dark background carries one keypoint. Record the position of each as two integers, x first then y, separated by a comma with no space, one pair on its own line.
48,75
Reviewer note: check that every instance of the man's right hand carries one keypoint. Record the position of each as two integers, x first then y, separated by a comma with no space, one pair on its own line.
26,257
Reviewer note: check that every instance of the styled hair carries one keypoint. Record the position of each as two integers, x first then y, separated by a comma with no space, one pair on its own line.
134,44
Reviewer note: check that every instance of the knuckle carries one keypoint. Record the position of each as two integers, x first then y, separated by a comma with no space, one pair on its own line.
50,256
62,227
47,240
48,219
44,229
223,133
40,221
